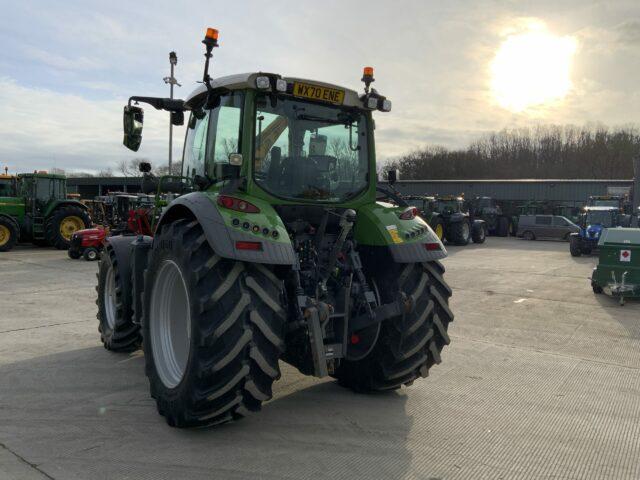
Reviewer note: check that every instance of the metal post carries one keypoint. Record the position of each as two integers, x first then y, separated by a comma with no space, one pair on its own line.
171,80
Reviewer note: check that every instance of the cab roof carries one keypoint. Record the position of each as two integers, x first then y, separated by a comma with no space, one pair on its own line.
243,81
601,209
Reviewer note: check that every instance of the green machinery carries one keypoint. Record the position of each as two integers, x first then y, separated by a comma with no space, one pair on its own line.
281,252
618,270
34,207
449,218
490,211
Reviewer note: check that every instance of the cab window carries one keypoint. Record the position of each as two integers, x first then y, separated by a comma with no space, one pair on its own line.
225,128
540,220
195,145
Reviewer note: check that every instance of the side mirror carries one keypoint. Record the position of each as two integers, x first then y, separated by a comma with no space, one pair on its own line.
393,176
235,159
177,118
132,120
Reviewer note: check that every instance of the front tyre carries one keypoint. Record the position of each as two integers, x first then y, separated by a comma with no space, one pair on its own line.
575,246
213,330
479,233
410,344
64,222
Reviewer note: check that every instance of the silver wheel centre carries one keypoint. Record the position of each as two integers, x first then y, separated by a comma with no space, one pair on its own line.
465,230
109,298
170,324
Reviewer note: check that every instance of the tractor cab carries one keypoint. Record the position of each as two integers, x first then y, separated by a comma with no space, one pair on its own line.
449,205
40,190
8,186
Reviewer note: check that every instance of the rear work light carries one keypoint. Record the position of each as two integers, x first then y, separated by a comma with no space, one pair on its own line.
251,246
432,246
233,203
409,214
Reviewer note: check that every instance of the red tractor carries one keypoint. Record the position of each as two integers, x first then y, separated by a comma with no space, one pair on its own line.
88,243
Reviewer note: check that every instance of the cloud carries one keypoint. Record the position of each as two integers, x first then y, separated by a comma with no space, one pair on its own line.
41,128
629,32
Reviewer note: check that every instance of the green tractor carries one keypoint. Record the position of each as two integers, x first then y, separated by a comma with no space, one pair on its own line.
449,218
281,252
34,207
488,209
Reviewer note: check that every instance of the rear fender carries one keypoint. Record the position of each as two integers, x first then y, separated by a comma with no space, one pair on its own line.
64,203
379,224
221,233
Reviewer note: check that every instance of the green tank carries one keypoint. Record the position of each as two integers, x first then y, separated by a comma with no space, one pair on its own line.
618,271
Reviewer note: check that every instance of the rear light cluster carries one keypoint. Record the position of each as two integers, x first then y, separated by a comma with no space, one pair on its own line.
432,246
410,213
233,203
236,222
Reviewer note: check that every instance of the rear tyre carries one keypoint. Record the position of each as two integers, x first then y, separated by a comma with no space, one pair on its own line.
8,234
460,232
90,254
213,330
503,227
575,247
528,235
408,345
117,330
479,233
64,222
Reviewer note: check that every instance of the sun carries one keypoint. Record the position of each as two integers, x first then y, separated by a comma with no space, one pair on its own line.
532,69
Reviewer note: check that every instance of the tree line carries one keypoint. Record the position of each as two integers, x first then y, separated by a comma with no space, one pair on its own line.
549,151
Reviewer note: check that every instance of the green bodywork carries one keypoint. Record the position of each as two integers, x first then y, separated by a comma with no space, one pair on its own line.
618,269
32,199
378,223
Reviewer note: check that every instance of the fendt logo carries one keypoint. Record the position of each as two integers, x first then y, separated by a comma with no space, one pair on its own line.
625,255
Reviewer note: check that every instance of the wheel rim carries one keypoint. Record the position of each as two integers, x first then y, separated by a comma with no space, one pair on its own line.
170,324
482,233
70,225
465,230
110,298
5,235
92,255
439,231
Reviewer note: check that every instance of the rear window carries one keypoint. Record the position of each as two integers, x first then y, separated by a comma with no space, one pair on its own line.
543,220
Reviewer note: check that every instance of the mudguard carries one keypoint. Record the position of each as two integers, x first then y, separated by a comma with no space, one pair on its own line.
223,236
409,241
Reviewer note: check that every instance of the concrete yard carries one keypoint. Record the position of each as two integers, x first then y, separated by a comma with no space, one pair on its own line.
542,380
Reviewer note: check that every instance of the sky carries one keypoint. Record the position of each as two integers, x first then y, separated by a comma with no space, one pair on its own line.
67,68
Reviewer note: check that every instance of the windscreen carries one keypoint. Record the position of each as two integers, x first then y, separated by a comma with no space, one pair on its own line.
309,151
447,206
600,218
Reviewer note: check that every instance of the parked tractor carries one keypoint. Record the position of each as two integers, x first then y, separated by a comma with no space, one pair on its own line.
592,222
34,207
488,210
449,218
622,202
280,253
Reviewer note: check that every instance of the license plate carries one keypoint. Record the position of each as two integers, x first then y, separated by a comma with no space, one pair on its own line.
316,92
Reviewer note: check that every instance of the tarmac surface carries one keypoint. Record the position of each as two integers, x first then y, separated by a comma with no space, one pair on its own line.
541,380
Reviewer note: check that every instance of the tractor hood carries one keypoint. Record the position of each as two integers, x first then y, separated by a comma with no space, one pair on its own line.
593,231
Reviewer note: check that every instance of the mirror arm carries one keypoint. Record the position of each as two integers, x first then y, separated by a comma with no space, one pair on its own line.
170,104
